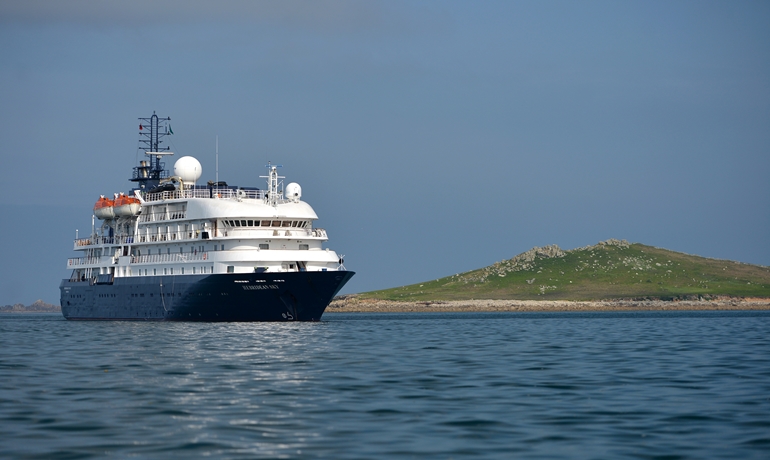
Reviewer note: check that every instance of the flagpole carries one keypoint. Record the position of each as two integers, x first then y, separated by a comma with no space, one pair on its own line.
217,160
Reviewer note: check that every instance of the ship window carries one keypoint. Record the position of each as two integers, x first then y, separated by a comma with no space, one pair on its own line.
181,250
183,270
165,271
237,223
303,247
294,224
264,246
251,223
256,223
276,223
243,223
168,250
193,270
154,271
287,223
265,223
230,269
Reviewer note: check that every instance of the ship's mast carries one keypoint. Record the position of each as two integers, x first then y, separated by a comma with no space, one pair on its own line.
152,130
273,195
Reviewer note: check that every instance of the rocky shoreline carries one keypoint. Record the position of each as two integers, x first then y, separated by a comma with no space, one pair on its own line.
353,304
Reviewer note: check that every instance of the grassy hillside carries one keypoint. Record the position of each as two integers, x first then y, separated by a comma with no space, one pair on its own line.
610,269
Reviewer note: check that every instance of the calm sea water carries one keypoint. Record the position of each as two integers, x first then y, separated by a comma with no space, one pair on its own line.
357,386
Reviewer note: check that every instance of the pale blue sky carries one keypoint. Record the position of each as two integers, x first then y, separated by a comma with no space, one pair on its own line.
431,137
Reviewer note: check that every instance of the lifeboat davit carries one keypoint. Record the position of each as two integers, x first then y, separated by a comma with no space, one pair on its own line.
104,208
127,206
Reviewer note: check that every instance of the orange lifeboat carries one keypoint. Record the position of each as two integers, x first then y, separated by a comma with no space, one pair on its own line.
127,206
104,208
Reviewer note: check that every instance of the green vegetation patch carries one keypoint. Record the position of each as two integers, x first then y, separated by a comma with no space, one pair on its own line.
611,269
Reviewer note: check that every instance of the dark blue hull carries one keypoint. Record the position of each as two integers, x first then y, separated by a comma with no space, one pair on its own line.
290,296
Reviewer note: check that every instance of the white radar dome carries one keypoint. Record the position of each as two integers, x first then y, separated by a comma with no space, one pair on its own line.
293,192
188,168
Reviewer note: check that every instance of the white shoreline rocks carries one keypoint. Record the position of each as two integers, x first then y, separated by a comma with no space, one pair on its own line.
352,303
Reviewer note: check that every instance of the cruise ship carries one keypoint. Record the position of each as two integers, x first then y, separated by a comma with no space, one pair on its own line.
172,249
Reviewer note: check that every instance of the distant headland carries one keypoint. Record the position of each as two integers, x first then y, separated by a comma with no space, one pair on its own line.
37,307
611,275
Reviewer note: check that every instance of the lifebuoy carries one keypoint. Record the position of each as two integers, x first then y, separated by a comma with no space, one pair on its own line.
204,256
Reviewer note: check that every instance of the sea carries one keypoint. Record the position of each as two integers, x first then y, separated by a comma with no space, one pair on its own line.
650,385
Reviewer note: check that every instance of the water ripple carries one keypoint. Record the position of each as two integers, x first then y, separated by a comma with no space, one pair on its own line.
594,385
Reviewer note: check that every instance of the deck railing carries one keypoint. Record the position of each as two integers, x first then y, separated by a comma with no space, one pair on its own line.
206,193
156,258
172,236
78,261
117,240
193,235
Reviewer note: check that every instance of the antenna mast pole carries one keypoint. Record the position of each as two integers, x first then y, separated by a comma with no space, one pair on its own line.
217,160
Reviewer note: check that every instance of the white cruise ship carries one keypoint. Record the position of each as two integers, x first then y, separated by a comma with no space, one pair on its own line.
173,249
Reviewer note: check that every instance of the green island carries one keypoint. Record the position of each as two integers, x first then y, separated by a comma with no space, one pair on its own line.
611,275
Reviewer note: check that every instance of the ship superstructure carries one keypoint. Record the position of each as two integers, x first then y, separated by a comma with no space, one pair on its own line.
171,249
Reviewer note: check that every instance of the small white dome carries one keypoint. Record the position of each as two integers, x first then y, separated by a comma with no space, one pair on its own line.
293,192
188,168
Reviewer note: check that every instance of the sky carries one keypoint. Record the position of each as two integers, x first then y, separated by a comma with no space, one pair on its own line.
431,137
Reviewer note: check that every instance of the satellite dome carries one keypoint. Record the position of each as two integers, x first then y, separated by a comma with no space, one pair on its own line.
293,192
188,168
